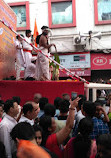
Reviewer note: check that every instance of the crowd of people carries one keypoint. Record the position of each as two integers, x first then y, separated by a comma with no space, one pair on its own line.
65,129
35,67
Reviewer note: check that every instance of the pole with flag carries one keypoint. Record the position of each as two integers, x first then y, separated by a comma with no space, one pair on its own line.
35,33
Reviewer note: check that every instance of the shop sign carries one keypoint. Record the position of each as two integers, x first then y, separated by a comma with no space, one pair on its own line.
75,61
100,61
78,72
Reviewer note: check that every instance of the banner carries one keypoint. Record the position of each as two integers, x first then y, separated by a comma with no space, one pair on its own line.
75,61
78,72
7,39
100,61
78,63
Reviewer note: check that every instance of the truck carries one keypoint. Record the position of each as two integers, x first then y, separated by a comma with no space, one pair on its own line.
90,91
50,89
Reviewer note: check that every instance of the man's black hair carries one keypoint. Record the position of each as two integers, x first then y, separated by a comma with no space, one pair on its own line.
1,105
98,103
8,104
23,130
81,101
49,110
56,102
44,27
89,108
27,107
85,126
2,102
43,101
64,106
28,31
19,36
16,99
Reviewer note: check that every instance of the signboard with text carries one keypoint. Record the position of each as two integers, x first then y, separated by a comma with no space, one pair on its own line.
75,61
7,39
100,61
78,72
78,63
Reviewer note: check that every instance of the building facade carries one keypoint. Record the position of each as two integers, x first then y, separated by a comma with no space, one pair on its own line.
80,29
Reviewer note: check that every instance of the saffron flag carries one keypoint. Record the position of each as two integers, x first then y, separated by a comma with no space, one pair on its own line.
35,33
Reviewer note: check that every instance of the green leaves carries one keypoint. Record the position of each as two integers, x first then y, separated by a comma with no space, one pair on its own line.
55,75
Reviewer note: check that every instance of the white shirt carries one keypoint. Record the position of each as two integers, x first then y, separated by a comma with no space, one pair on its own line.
26,45
106,109
17,43
19,53
25,119
6,126
30,71
19,112
79,116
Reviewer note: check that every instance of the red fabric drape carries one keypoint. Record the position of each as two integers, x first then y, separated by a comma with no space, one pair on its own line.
49,89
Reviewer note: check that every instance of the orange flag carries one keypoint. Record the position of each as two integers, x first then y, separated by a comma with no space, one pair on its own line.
35,33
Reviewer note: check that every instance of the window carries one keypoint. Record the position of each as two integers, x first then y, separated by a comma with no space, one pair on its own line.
62,13
21,10
102,11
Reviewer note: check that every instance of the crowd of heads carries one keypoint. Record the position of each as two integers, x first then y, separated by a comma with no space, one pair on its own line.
46,117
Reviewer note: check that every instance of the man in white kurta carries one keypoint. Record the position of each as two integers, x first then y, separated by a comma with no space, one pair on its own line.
30,112
27,48
6,125
5,128
25,119
42,66
42,63
30,70
20,59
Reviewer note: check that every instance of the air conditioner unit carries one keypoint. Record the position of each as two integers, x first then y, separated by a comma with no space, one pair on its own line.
78,40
